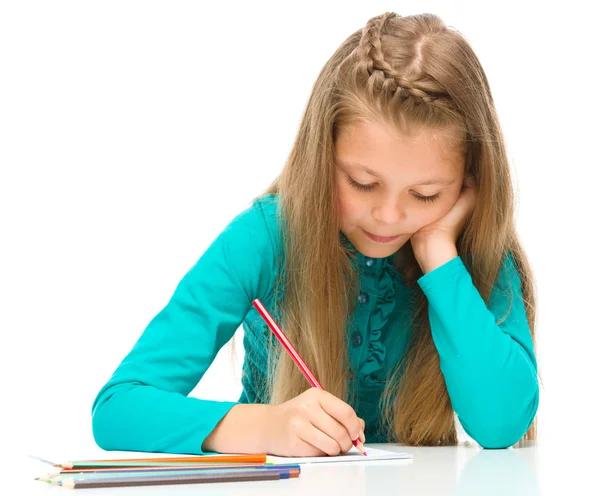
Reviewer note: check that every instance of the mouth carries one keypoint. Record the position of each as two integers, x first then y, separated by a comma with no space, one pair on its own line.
381,239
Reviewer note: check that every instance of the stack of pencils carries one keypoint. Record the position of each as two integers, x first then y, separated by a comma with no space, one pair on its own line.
159,471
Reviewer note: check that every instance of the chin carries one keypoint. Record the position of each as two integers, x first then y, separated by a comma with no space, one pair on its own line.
374,250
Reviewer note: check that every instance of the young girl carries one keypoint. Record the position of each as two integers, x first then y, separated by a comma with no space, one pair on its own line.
387,252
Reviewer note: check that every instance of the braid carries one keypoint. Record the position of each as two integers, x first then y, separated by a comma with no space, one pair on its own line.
380,74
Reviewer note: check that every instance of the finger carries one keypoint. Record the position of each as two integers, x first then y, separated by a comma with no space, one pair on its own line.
469,182
342,412
304,448
362,432
321,441
330,426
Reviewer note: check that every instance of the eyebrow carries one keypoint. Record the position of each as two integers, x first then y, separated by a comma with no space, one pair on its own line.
373,173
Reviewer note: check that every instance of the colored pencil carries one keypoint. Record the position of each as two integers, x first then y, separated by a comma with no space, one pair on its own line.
78,465
258,458
180,479
264,313
57,470
144,470
58,478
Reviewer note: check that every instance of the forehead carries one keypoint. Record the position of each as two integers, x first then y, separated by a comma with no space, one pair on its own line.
379,147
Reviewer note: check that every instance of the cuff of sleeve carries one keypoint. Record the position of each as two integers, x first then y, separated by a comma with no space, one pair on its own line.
218,411
442,273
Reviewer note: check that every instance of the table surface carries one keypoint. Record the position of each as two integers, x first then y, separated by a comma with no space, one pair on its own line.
465,469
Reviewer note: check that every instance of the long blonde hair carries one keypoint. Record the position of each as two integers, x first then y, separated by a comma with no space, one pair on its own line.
415,73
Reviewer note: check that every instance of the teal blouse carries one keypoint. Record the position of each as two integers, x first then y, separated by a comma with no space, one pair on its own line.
490,369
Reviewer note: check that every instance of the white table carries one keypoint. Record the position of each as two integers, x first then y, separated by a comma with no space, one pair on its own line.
458,470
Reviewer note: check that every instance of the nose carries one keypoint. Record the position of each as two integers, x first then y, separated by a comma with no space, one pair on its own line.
389,211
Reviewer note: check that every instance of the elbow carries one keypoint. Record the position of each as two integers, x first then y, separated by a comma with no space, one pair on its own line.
499,438
103,427
504,416
501,428
107,417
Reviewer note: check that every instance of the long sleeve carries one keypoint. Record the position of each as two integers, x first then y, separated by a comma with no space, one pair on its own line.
144,406
490,369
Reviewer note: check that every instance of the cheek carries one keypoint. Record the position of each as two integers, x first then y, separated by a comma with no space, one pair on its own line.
348,205
349,208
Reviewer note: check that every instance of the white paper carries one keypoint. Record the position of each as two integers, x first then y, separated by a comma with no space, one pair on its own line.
353,455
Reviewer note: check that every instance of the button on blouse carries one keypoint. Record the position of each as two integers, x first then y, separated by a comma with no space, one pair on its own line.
382,296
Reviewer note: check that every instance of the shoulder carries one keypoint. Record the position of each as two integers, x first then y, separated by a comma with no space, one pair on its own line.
257,226
251,245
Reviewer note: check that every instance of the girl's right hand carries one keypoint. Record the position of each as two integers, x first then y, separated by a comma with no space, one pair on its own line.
314,423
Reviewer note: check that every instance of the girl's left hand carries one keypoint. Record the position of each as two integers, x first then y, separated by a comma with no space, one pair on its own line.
447,228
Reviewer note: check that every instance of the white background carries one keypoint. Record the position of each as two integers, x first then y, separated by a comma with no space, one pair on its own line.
131,133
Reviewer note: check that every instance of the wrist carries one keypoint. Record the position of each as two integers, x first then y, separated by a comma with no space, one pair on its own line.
241,430
434,255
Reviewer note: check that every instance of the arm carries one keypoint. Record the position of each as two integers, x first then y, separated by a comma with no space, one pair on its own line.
144,406
490,369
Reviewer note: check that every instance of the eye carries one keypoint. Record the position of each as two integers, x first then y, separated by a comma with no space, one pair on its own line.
358,186
431,198
369,187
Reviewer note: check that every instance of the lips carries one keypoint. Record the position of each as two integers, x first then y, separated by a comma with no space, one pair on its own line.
381,239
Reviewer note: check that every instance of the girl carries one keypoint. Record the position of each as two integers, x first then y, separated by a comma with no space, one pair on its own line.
387,252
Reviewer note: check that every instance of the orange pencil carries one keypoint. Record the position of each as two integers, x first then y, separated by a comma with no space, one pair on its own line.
200,459
133,468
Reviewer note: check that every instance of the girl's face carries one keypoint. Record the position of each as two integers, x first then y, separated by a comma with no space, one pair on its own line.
381,181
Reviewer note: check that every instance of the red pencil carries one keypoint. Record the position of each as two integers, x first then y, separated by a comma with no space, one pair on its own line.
294,354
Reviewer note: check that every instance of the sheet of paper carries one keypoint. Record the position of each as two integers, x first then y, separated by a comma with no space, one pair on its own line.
353,455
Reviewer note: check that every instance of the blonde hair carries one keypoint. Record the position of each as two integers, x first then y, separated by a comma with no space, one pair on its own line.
413,73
